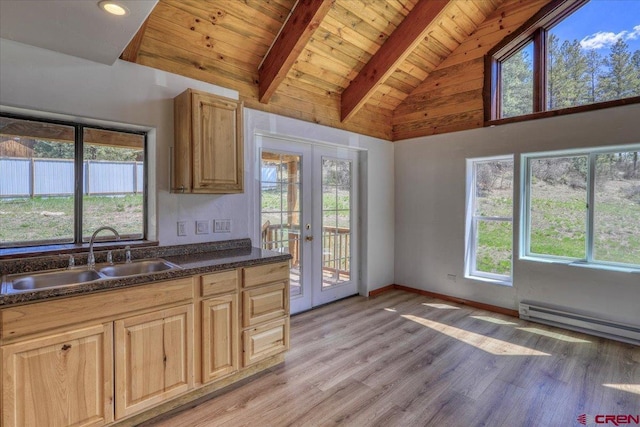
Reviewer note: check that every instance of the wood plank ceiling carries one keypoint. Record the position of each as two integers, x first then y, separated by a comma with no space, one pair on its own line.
348,64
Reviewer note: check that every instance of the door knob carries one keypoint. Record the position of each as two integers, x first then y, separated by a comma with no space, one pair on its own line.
308,238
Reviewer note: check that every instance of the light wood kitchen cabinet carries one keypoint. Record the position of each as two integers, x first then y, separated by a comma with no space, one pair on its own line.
265,340
264,303
219,337
208,150
145,347
59,380
265,311
220,319
154,358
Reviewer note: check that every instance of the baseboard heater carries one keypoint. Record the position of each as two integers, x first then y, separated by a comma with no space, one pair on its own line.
579,322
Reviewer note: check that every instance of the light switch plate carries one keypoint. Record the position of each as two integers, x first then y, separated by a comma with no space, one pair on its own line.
182,228
202,227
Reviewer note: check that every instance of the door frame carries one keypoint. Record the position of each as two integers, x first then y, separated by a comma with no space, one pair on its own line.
359,221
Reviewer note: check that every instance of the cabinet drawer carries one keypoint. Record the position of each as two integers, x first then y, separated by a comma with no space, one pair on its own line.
219,283
264,303
46,315
268,273
265,341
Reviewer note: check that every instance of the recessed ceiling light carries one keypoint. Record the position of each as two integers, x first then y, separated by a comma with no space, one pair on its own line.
113,8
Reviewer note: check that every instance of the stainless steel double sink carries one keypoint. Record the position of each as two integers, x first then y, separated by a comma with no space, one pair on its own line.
24,282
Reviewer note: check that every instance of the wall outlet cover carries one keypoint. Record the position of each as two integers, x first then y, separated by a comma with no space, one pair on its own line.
202,227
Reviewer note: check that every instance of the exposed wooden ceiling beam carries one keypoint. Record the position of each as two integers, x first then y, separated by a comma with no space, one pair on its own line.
304,20
130,53
384,62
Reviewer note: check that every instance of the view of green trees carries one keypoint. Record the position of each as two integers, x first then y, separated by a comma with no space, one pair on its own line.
575,76
64,150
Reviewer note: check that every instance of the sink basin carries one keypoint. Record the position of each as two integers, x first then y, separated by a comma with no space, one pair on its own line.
24,282
52,279
134,268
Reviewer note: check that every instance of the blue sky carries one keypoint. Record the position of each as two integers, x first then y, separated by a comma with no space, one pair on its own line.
599,23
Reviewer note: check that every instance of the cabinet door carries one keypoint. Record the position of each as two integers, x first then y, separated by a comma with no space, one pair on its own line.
59,380
217,144
220,338
154,358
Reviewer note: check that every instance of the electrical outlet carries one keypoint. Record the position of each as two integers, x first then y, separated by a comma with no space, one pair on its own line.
182,228
202,227
222,226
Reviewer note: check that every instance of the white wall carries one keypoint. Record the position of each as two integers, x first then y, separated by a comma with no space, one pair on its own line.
41,80
430,222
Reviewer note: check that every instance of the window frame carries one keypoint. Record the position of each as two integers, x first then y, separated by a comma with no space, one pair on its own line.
525,203
78,239
533,30
471,234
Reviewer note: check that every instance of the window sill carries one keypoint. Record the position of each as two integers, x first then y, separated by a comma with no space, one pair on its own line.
47,250
584,264
501,282
563,111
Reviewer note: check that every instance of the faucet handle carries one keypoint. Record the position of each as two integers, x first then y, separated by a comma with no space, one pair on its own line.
127,254
109,257
72,261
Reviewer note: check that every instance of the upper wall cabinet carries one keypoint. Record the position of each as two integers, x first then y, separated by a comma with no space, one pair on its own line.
208,155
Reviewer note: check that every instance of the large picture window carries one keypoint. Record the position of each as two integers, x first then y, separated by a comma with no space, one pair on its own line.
561,61
583,206
61,181
490,218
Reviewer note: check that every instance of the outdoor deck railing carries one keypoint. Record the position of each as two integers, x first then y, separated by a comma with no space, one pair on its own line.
336,245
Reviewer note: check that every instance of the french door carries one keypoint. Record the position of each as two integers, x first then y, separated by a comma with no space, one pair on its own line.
309,208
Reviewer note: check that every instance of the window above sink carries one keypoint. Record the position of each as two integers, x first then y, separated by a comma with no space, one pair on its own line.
62,179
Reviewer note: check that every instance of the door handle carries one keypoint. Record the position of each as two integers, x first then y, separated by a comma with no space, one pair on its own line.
308,238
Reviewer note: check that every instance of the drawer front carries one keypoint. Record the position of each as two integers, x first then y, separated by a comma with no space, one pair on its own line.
265,341
219,283
268,273
46,315
265,303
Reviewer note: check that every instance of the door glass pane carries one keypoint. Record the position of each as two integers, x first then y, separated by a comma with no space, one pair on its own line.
280,207
113,183
558,212
617,208
336,222
36,182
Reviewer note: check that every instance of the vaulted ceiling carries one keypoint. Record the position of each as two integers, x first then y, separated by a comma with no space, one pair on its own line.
351,64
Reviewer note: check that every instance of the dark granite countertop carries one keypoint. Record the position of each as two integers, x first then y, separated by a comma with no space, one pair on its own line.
192,259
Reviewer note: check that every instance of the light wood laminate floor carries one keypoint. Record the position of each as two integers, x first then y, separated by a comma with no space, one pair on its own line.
403,359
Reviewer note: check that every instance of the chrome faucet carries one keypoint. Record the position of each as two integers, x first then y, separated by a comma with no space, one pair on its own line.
91,259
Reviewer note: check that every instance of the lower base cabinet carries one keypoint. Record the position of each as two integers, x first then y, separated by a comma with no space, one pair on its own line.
140,350
60,380
219,337
154,358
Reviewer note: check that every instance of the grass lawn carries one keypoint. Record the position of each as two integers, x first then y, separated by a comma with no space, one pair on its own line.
558,226
51,218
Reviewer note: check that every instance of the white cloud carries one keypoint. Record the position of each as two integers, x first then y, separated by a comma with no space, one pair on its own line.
607,38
